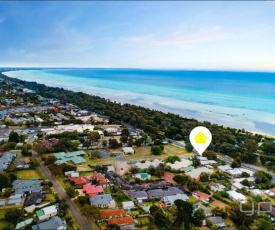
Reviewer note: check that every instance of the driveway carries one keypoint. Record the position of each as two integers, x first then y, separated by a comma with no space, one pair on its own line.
83,223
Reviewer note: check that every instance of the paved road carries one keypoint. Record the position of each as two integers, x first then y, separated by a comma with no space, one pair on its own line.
83,223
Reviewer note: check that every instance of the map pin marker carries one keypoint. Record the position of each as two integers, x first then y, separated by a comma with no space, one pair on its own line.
200,137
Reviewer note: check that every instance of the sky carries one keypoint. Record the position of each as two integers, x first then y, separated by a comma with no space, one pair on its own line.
218,35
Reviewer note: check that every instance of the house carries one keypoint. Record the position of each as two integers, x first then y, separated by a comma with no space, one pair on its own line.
103,201
256,192
159,193
92,190
234,173
236,196
216,187
180,165
30,209
71,174
54,223
75,157
137,195
16,199
200,138
112,213
22,225
207,211
35,198
5,160
238,185
145,165
195,173
169,200
99,179
224,168
80,181
128,205
46,213
269,208
142,176
218,221
26,186
122,221
209,162
128,150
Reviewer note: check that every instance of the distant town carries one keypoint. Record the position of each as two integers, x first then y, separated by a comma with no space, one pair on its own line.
71,167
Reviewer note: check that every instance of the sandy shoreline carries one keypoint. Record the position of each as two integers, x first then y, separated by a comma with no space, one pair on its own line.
255,121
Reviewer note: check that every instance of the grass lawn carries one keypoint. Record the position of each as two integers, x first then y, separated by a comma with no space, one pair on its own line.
175,150
2,213
144,220
5,224
192,199
28,174
85,173
49,197
228,222
64,184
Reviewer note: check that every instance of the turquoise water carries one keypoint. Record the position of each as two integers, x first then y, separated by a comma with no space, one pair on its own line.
238,99
234,89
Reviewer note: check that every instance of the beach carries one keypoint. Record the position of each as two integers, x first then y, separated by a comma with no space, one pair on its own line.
233,107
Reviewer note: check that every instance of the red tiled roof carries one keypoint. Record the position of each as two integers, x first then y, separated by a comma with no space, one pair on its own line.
122,221
99,178
112,212
79,180
92,190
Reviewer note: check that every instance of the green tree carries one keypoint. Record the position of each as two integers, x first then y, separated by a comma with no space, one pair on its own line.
189,147
198,217
13,214
5,180
264,224
90,211
156,150
181,179
184,214
210,155
70,192
196,162
14,137
7,192
204,177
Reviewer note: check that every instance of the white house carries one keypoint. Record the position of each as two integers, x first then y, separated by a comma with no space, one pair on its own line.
128,205
178,165
155,163
216,187
169,200
46,213
236,196
128,150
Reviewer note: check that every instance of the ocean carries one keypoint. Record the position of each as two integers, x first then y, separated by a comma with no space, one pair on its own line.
235,99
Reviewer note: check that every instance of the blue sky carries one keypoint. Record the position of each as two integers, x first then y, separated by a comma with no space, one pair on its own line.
166,35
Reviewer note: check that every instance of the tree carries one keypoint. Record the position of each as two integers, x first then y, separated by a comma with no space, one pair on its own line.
156,150
90,211
70,192
181,179
83,200
246,182
184,213
113,143
50,160
94,136
204,177
13,214
189,147
64,205
7,192
172,159
196,162
210,155
235,164
5,180
198,217
218,211
14,137
264,224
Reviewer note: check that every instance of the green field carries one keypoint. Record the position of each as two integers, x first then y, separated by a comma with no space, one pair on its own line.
28,174
5,224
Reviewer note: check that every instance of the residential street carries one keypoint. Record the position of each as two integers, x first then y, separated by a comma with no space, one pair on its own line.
84,225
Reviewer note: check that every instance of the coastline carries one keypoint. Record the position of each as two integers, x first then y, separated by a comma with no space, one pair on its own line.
227,116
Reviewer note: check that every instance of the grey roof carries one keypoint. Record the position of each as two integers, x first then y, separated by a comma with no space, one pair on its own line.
52,224
216,220
104,199
137,194
35,198
164,192
15,201
5,160
23,186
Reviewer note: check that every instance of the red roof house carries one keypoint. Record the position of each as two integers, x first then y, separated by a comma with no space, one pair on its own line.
99,179
80,181
112,213
92,190
122,221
